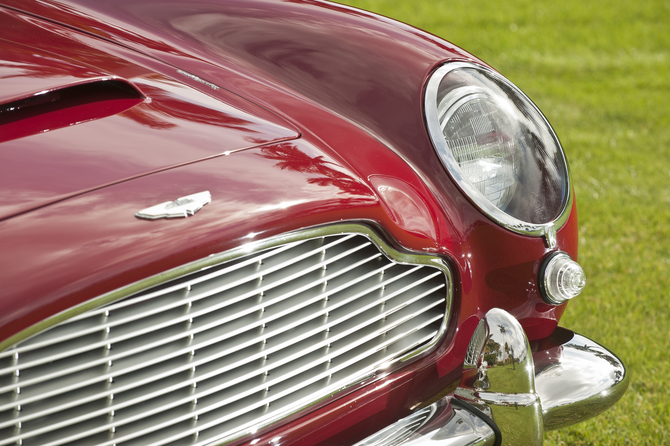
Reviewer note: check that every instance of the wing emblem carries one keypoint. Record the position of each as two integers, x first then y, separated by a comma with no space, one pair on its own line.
181,207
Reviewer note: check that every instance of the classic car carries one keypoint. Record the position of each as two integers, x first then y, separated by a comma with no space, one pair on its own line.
278,223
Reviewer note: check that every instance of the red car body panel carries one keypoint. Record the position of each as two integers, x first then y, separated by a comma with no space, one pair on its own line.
166,124
323,106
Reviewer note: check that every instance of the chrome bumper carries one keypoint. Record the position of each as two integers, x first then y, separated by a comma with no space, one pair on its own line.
510,394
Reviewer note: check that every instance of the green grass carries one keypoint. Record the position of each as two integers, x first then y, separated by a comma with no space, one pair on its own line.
600,71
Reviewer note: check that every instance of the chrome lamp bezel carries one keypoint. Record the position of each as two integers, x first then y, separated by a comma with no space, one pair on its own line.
431,113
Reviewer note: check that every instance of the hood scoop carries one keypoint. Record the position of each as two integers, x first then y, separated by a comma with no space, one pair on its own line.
78,114
69,105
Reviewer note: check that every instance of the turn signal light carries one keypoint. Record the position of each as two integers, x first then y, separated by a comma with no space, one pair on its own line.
560,278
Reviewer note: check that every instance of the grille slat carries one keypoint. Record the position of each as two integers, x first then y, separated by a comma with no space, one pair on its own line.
222,351
299,270
144,410
229,331
218,321
67,326
303,319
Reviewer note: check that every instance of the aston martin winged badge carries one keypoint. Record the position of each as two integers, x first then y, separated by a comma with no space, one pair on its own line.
181,207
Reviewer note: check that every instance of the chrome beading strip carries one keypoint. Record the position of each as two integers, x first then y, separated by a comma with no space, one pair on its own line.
421,319
190,315
216,259
439,424
41,394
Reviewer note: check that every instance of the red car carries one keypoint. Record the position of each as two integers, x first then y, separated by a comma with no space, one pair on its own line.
278,223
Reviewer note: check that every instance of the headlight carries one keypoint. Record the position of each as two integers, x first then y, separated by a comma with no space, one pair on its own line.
498,147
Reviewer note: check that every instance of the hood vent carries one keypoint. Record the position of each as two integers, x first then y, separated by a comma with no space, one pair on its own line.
66,106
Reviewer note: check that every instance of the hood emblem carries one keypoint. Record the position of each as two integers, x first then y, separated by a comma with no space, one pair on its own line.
181,207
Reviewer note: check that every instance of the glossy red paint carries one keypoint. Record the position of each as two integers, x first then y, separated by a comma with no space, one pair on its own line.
333,420
370,407
66,146
92,244
63,107
348,83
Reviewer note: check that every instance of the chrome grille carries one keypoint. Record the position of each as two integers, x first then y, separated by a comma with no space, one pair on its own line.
476,345
213,354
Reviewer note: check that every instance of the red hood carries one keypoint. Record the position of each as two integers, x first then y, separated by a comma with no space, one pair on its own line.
306,60
74,118
352,83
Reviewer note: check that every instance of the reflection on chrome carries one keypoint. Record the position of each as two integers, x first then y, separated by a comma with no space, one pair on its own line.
566,380
507,391
439,424
579,380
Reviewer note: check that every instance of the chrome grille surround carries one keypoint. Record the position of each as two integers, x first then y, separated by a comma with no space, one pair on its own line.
216,349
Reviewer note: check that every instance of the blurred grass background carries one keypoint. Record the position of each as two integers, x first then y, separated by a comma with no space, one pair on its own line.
600,71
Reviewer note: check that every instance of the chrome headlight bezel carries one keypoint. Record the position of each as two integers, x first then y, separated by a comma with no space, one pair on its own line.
432,116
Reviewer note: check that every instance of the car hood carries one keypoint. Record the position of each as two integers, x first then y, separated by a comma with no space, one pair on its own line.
323,67
74,118
203,79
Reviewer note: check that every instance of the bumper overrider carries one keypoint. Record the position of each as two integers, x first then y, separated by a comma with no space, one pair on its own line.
513,390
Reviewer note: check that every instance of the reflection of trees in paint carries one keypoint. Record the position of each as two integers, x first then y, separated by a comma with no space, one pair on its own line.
290,157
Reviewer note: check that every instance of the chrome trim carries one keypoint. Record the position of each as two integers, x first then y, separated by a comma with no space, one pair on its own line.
407,258
568,380
95,308
546,230
198,79
180,208
505,388
439,424
581,380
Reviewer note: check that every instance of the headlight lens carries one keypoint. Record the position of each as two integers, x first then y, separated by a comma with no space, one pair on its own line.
479,136
497,146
